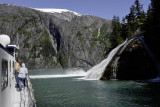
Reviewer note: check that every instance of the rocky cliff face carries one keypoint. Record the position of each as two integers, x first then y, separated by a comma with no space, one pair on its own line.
51,40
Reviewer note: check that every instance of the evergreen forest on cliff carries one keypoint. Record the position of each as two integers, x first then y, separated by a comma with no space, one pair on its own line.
137,22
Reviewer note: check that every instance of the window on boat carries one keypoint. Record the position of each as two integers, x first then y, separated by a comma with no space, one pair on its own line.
10,49
13,66
10,64
4,73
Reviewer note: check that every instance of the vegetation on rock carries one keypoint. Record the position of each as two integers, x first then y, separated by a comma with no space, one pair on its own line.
55,40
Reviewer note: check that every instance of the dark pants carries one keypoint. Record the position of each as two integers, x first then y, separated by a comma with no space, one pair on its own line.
17,78
19,82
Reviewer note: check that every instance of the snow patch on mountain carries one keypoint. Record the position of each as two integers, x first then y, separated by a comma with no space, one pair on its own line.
52,10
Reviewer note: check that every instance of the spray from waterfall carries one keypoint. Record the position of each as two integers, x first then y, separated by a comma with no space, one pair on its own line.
76,72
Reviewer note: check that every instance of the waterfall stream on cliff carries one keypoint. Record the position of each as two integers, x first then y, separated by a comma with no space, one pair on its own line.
96,72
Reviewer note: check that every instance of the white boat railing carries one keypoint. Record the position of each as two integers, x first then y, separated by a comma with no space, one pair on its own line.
31,99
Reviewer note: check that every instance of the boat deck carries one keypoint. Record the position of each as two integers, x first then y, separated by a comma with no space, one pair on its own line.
22,98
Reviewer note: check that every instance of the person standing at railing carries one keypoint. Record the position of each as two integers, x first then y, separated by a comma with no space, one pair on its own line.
17,68
22,76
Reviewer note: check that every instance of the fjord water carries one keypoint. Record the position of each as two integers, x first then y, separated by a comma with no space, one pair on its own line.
59,88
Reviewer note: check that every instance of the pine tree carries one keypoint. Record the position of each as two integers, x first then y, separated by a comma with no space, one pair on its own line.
153,27
133,22
124,29
131,16
138,8
135,19
142,20
116,25
131,25
116,33
140,14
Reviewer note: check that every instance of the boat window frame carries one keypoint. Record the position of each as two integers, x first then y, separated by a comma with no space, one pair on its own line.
4,75
13,64
10,66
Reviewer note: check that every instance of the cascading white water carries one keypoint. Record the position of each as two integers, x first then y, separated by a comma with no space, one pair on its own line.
114,69
96,72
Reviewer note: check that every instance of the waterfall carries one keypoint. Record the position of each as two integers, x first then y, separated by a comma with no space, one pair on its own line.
96,72
99,30
114,69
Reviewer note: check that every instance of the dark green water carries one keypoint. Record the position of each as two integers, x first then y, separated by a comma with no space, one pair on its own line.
69,91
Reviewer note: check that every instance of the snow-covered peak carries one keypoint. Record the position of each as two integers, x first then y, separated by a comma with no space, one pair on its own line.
52,10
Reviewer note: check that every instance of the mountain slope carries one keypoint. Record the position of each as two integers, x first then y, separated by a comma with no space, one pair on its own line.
53,40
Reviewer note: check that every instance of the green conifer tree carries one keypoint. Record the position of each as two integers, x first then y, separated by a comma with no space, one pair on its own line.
131,22
116,33
138,8
135,19
140,14
152,34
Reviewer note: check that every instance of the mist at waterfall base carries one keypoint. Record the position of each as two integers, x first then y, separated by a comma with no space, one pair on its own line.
59,88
